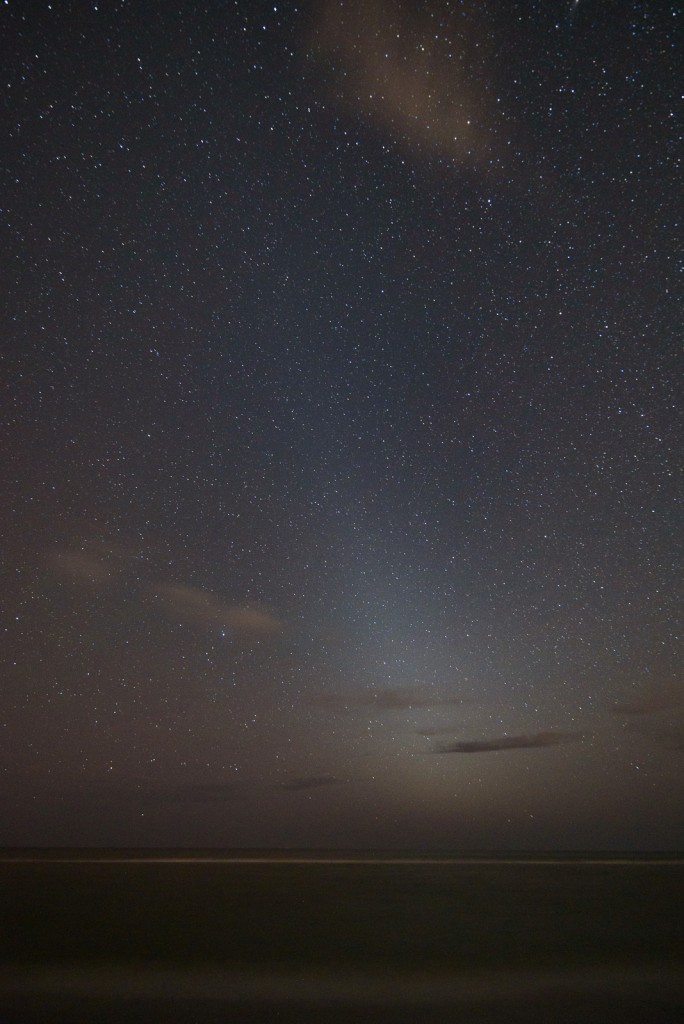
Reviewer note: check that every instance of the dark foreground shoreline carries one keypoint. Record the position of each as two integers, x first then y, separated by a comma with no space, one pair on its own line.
256,935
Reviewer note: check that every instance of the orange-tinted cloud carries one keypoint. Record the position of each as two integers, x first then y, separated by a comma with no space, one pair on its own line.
194,605
92,562
413,82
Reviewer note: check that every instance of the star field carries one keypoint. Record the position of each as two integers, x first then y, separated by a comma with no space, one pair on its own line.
341,366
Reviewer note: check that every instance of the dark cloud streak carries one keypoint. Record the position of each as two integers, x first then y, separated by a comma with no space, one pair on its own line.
531,742
310,782
664,699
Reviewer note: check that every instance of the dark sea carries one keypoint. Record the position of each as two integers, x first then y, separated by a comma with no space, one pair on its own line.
324,935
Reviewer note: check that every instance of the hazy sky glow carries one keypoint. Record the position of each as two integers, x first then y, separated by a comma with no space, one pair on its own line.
340,355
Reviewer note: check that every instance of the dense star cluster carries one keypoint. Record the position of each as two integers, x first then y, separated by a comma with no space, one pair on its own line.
341,354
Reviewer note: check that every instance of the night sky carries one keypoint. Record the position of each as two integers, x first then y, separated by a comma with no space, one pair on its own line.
340,364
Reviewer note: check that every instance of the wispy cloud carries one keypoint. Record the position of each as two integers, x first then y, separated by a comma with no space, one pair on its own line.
386,699
93,563
206,791
669,734
439,730
650,702
202,607
137,791
672,736
392,68
310,782
535,740
81,566
98,564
